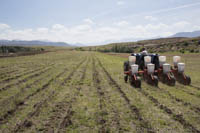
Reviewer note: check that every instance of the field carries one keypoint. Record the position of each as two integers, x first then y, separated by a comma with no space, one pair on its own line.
73,91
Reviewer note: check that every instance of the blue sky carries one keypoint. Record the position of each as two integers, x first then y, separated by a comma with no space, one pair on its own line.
96,21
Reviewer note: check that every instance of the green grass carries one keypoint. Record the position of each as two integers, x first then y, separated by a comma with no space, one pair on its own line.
68,98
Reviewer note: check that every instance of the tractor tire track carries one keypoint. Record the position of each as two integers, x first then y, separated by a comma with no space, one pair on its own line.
25,79
40,104
177,117
135,111
101,95
114,110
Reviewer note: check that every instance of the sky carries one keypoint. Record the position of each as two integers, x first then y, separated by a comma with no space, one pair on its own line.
93,22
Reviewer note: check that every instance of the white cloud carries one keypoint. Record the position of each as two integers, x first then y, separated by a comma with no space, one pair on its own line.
58,27
151,18
88,21
43,30
4,26
182,24
197,27
121,23
86,33
120,3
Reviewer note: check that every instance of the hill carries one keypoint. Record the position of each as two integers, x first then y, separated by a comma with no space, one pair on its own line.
187,34
180,44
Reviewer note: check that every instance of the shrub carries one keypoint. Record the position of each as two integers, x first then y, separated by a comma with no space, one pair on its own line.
192,51
182,51
121,49
185,43
79,49
16,49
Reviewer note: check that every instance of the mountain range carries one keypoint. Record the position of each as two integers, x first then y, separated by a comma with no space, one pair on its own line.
32,43
49,43
187,34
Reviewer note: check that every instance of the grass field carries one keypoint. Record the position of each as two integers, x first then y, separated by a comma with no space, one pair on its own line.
71,91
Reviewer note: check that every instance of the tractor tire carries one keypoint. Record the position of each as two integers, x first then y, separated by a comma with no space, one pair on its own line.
126,66
131,81
172,82
138,83
155,81
126,78
188,80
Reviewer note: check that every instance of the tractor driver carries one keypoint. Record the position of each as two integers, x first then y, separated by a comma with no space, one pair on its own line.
144,51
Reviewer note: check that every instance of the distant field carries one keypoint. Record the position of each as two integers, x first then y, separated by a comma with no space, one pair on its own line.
71,91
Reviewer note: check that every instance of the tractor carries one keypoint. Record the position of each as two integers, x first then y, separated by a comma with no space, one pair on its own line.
153,68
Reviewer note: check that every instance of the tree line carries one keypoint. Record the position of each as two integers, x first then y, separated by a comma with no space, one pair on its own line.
16,49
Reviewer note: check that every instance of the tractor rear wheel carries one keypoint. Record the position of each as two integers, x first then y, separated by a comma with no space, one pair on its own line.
131,80
188,80
172,81
126,78
155,80
138,83
126,66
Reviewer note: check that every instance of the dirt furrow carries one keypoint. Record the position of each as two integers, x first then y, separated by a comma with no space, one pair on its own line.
6,73
114,110
144,124
72,73
40,104
66,121
26,123
101,120
176,117
18,76
15,70
62,111
7,101
196,109
198,88
25,79
84,70
4,68
9,113
190,93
